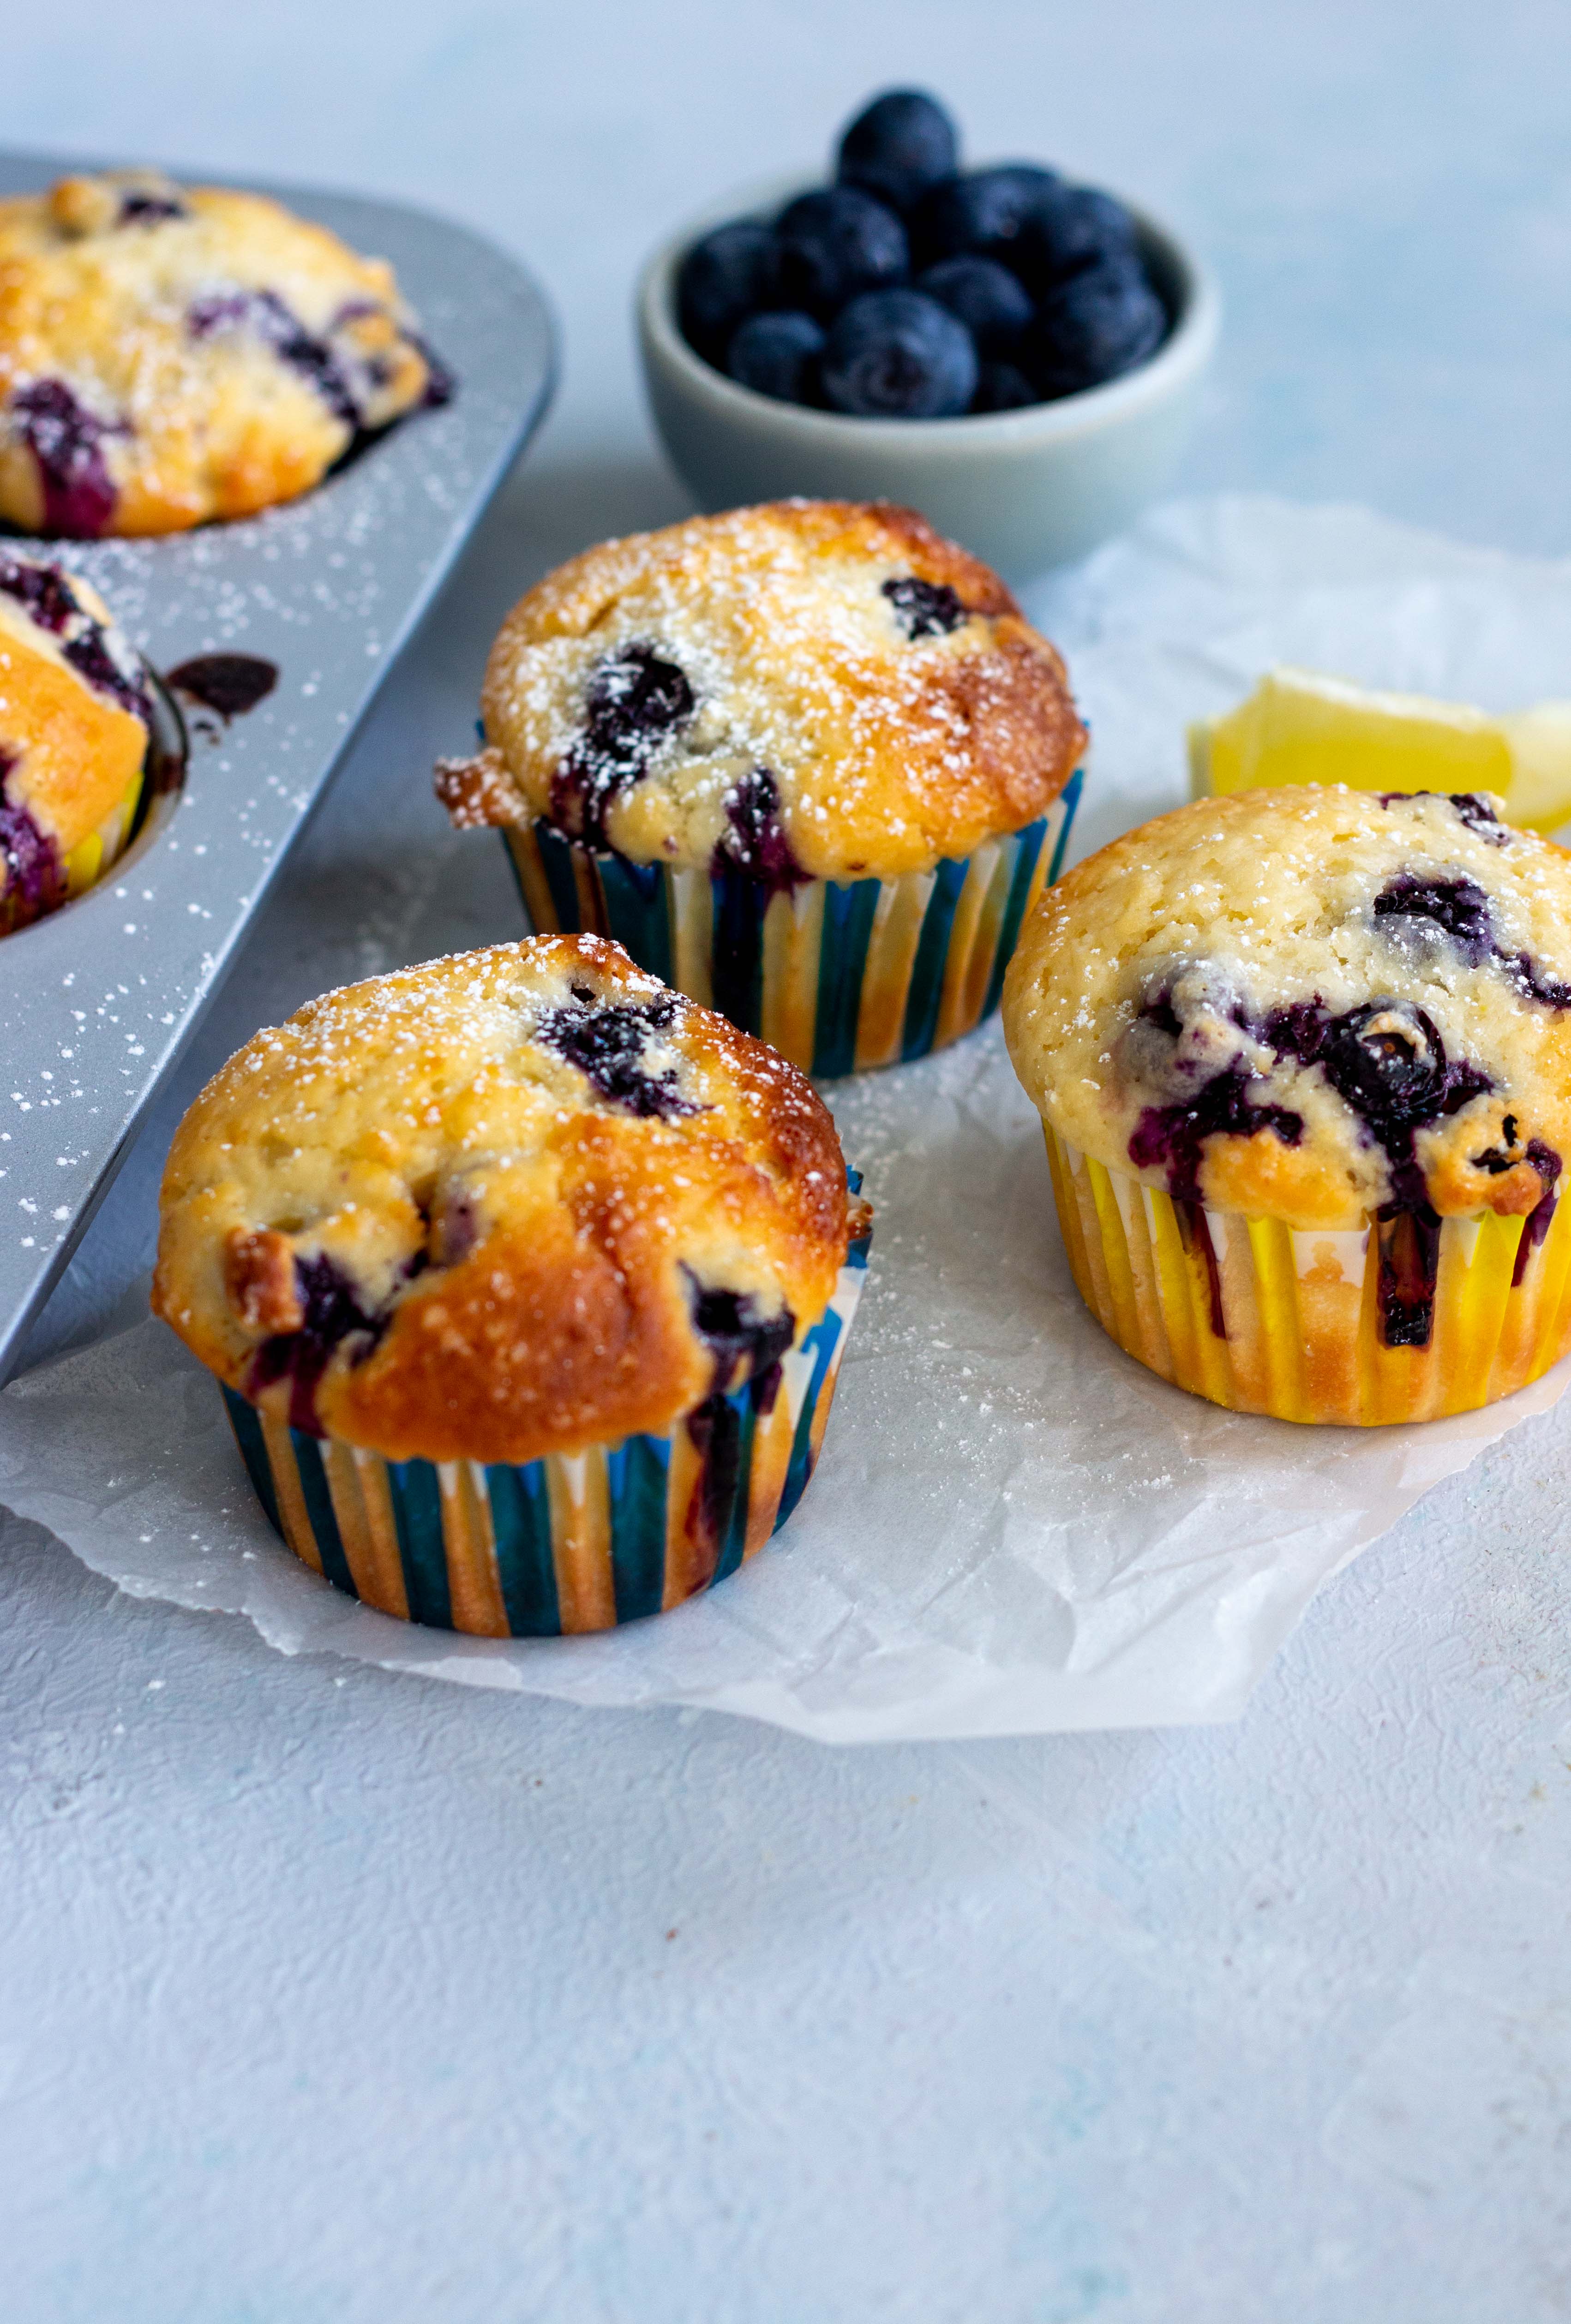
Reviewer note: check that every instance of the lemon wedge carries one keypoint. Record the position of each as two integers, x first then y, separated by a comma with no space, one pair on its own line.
1301,727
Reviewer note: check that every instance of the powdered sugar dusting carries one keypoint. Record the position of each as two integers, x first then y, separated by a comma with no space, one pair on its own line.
890,741
180,355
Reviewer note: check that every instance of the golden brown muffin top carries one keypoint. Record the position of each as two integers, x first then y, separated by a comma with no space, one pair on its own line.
513,1203
74,725
1309,1004
820,688
172,353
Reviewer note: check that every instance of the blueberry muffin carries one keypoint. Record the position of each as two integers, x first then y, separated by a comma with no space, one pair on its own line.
526,1278
76,730
807,761
1304,1058
171,354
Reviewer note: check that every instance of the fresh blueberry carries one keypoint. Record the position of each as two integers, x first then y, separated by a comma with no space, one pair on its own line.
898,146
979,215
723,279
987,299
1000,387
778,354
1095,326
897,355
836,243
1071,227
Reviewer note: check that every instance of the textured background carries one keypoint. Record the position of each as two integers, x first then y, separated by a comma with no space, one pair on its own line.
326,1995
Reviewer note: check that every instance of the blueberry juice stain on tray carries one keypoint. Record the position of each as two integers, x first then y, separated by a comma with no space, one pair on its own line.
225,685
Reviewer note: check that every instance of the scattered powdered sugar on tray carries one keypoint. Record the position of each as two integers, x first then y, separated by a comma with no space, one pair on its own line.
1014,1528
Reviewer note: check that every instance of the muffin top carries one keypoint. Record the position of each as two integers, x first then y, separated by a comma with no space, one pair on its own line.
74,726
811,689
508,1204
170,354
1309,1004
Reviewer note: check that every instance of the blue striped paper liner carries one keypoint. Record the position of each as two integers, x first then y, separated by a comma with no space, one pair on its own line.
874,999
502,1550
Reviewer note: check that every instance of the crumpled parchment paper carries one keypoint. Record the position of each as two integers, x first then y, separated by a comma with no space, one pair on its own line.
1014,1528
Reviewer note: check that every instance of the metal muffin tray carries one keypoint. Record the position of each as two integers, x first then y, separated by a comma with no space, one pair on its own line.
97,1001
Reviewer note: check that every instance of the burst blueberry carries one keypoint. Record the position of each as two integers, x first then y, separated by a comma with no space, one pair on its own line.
740,1331
898,354
755,841
634,699
42,590
926,609
267,317
334,1313
1458,909
607,1046
32,881
67,441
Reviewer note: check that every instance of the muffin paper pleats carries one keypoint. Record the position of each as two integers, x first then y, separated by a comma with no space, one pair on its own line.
1262,1317
572,1541
837,975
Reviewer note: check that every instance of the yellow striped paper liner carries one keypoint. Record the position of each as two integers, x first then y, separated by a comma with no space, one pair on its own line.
1301,1337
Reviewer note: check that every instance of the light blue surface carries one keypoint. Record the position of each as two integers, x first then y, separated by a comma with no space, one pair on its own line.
326,1994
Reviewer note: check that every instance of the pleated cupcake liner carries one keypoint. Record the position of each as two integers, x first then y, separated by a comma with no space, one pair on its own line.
87,862
1263,1317
837,975
569,1543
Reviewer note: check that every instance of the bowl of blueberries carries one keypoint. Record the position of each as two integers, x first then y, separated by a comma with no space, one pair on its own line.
1015,355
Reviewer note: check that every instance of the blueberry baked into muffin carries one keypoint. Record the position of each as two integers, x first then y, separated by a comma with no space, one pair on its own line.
527,1281
1304,1058
807,761
76,737
171,354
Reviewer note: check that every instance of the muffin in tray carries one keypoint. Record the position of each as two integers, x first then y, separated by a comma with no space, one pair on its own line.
76,725
172,353
804,761
1304,1058
527,1280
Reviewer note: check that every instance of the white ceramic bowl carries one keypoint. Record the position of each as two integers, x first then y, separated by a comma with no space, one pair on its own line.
1023,490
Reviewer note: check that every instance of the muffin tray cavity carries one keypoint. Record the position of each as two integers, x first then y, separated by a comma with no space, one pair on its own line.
97,1000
